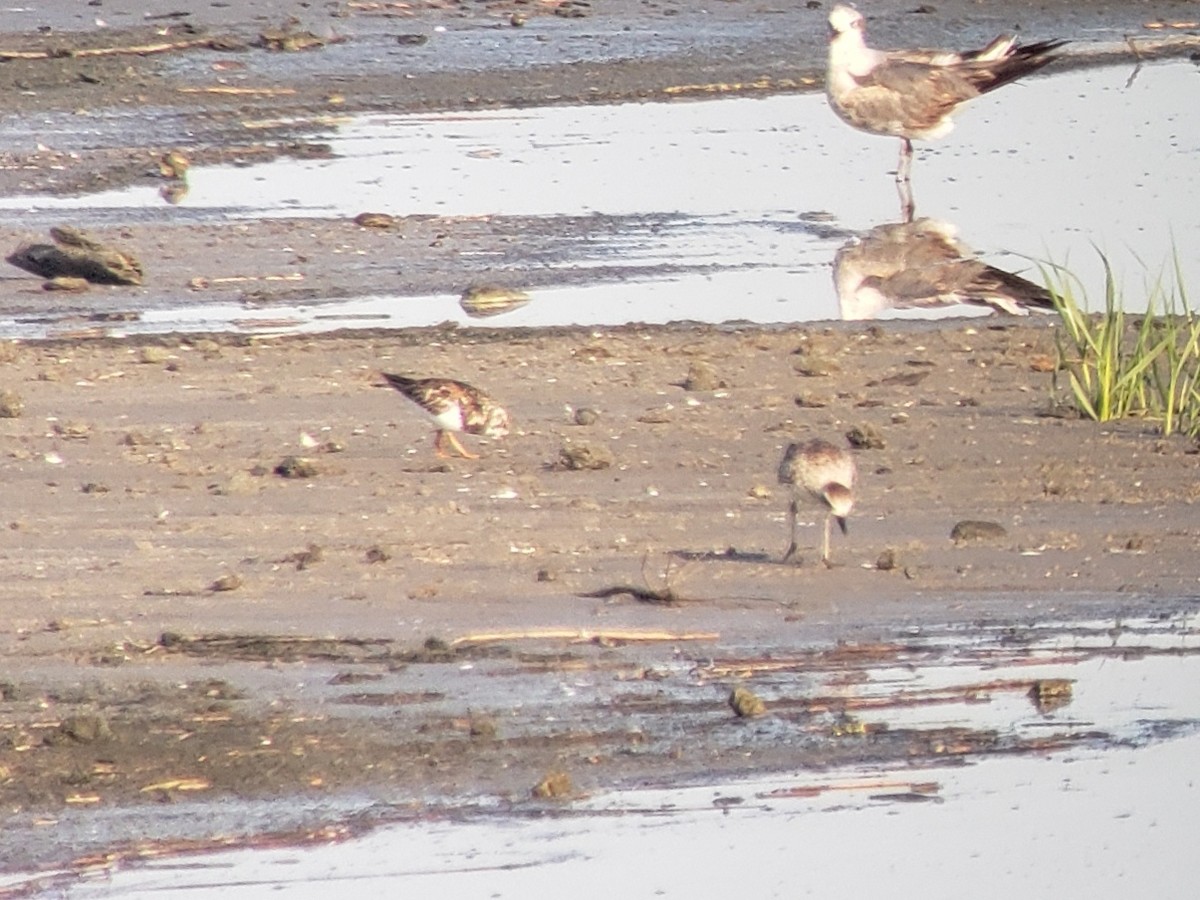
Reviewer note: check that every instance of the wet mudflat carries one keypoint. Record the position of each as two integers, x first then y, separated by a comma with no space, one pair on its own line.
193,619
942,743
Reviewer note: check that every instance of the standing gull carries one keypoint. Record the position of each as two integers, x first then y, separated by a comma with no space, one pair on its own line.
912,94
454,406
923,265
825,474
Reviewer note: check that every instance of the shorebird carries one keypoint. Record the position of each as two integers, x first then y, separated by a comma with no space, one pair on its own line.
825,474
454,406
923,265
911,94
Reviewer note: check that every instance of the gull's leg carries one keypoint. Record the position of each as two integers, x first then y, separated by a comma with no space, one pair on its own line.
791,550
908,206
904,168
825,545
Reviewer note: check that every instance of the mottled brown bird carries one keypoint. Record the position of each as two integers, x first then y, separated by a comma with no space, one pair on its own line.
454,406
824,474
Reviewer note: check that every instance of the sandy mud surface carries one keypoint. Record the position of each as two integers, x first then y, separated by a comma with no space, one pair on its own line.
235,571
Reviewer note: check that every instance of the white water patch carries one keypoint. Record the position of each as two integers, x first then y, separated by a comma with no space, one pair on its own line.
1051,170
1106,818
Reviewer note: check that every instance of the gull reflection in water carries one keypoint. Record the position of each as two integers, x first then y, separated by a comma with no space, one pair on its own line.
923,265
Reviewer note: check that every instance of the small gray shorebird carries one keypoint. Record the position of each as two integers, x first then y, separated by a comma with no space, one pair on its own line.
454,406
824,474
912,94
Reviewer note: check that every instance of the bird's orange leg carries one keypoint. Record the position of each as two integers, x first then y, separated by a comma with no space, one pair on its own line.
443,436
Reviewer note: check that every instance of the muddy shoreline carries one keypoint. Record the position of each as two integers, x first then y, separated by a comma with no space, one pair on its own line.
186,623
182,621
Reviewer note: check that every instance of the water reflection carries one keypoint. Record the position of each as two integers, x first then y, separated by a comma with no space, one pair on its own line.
735,235
922,265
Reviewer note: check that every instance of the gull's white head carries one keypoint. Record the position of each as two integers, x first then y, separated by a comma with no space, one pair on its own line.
843,19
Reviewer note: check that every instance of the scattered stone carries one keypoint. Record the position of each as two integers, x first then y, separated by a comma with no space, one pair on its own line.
174,164
812,365
746,703
72,430
577,457
287,41
888,560
377,554
312,554
865,437
903,379
759,492
375,220
482,300
547,575
702,377
1043,362
1049,694
807,401
296,467
658,416
152,355
11,405
342,678
412,40
482,727
84,729
8,692
976,530
573,9
516,20
585,415
93,487
74,254
229,582
554,785
240,482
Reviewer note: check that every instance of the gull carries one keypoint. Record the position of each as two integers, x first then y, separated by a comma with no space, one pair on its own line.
454,406
923,265
912,94
824,474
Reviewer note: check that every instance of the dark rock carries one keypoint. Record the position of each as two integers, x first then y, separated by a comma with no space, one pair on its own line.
976,530
296,467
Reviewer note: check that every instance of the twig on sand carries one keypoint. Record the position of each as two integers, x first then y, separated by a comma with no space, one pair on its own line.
583,636
133,49
234,90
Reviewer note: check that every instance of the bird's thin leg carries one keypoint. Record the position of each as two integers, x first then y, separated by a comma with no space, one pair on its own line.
791,550
457,445
904,167
825,545
908,206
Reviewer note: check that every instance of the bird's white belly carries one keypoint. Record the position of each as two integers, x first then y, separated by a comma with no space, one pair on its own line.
449,419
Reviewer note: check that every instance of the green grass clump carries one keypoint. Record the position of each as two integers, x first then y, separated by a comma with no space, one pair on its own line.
1119,365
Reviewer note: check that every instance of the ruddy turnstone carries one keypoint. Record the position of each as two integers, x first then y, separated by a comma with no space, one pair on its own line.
825,474
454,406
911,94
